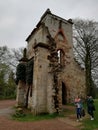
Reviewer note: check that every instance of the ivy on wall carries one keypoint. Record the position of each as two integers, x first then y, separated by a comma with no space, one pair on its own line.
29,71
21,72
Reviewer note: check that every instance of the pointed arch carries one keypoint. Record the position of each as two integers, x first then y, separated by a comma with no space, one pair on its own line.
61,36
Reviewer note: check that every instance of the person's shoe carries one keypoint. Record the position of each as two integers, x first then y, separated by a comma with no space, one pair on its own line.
80,119
77,120
92,119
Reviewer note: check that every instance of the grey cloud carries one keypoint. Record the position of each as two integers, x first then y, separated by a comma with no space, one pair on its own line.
19,17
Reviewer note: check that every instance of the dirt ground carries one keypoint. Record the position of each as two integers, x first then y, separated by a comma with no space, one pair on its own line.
6,123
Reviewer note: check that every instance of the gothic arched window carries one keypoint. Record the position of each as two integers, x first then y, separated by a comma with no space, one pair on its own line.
60,57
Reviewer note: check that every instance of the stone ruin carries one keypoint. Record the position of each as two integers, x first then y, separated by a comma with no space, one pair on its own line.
52,77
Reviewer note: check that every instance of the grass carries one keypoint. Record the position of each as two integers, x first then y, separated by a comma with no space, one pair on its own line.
30,117
91,125
24,115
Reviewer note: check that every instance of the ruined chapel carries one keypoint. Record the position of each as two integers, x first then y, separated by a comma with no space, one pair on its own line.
56,77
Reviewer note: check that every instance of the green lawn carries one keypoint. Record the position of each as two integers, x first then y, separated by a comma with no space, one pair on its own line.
27,116
91,125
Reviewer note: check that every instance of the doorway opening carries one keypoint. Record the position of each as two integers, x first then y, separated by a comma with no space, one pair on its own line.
64,94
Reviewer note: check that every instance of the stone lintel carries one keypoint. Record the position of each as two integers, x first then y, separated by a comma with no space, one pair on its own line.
40,44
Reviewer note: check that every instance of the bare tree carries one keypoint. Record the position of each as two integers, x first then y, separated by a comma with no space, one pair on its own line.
86,50
10,56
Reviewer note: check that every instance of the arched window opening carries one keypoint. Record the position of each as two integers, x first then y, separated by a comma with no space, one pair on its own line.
60,57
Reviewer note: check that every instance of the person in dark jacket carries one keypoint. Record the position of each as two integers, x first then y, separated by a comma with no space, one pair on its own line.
90,107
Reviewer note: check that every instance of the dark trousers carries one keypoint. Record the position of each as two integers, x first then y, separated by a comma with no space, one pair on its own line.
90,111
78,111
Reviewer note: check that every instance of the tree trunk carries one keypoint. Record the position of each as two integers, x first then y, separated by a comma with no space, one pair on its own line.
89,80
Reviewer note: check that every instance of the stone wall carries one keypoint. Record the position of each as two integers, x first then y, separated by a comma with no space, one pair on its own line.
70,75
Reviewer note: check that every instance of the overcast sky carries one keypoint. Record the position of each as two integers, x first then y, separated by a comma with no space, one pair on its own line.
19,17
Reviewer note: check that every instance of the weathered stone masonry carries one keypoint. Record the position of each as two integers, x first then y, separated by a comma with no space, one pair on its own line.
57,78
